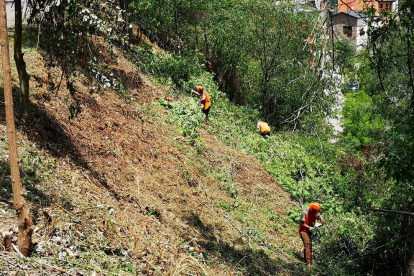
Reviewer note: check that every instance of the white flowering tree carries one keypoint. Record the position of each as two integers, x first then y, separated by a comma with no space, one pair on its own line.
68,29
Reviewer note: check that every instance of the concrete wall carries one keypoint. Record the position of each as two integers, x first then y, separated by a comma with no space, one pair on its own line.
10,12
361,39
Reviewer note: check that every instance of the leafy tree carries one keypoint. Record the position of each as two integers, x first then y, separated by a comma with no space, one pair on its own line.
70,30
344,55
392,66
386,74
258,50
278,41
362,124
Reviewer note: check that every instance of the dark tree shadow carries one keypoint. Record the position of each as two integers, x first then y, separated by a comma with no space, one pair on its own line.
255,262
45,131
52,137
30,180
30,183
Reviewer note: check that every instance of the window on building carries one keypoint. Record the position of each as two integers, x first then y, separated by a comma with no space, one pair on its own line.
380,5
348,31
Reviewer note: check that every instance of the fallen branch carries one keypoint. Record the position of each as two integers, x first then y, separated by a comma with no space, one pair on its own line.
390,211
17,250
155,268
199,265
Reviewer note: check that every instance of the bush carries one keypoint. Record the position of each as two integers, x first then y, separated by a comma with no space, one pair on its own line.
345,53
362,124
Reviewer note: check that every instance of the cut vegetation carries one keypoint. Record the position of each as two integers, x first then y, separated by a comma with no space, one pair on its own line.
118,189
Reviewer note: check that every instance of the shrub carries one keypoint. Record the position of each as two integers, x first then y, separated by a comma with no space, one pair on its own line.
362,124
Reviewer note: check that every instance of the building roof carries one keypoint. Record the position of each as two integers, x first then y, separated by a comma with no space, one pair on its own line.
354,13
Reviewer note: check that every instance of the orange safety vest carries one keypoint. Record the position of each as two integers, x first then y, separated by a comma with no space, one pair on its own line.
309,220
206,102
264,127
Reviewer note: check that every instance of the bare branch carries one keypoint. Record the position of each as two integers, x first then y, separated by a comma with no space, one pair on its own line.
390,211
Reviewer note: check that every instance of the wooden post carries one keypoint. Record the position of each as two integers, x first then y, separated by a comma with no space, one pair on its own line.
22,208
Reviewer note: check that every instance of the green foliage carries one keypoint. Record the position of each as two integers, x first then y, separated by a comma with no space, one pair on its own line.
67,26
344,55
153,212
175,70
188,115
342,179
277,54
231,190
256,49
380,115
362,123
293,215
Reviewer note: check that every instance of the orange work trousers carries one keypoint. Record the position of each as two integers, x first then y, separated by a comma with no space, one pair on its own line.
307,244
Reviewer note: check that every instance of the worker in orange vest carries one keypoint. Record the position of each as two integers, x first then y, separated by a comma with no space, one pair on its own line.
263,128
205,101
307,223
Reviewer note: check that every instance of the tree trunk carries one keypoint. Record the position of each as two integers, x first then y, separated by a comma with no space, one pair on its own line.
206,40
408,225
410,269
24,77
264,92
22,208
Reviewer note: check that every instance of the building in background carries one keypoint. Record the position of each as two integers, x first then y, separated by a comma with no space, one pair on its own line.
350,23
10,12
351,26
349,5
338,6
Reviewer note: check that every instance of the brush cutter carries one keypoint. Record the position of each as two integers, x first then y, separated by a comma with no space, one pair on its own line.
315,236
316,232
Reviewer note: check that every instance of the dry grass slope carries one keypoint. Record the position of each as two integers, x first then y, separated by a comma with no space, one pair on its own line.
124,197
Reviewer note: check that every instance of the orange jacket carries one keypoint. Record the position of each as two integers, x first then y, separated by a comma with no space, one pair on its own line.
206,102
263,127
310,220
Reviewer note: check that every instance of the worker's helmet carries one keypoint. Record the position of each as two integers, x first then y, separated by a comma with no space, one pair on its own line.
200,88
314,207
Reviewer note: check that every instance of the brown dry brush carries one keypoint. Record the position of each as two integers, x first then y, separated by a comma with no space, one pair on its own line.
155,198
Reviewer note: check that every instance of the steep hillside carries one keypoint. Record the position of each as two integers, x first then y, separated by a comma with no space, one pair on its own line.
117,190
